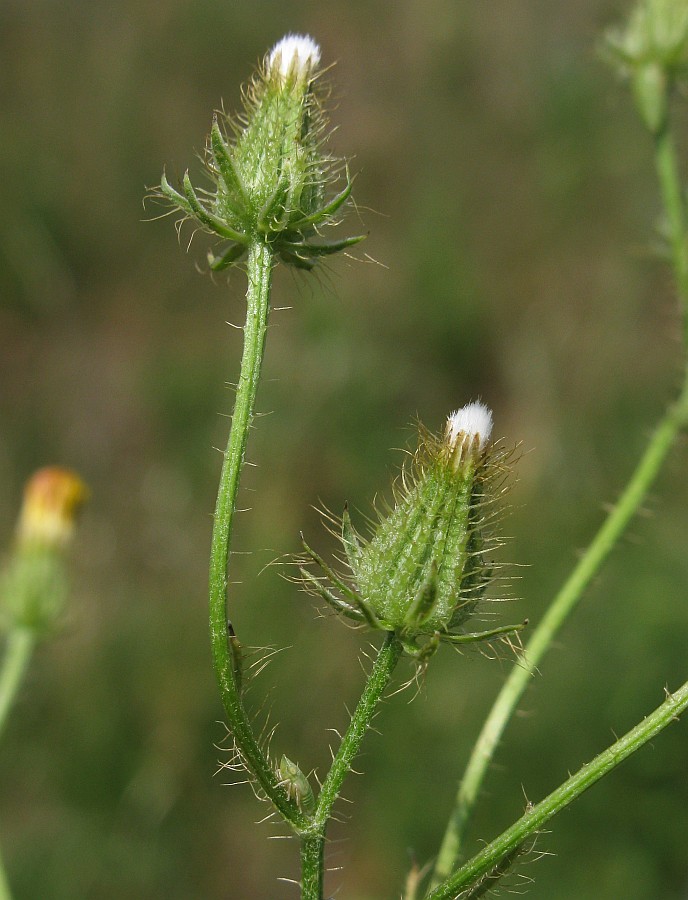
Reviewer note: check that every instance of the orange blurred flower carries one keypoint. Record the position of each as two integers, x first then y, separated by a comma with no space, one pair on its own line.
52,499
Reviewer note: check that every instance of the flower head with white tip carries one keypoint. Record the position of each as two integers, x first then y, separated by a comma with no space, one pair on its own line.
427,564
274,182
296,54
468,431
473,420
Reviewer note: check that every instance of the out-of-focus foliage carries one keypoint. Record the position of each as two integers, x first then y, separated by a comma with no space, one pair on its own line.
509,194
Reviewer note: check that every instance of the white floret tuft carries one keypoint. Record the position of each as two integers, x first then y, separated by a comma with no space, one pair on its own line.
472,419
297,51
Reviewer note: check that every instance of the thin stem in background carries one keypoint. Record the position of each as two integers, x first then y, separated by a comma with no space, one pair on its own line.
18,651
534,818
666,166
259,270
5,892
661,442
312,849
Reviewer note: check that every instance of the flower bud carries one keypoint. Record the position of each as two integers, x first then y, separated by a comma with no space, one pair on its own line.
52,498
33,586
652,50
425,566
271,175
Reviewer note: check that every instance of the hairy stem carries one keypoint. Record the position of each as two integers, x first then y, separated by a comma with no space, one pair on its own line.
385,663
536,816
313,842
259,270
661,442
313,865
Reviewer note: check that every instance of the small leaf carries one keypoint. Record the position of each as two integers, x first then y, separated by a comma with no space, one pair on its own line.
352,546
173,196
339,606
326,210
290,259
226,167
472,637
322,249
207,218
423,605
227,258
271,216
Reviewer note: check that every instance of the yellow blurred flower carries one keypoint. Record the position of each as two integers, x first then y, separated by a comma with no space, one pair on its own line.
52,499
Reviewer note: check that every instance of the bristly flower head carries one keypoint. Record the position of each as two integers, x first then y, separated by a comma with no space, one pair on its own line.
426,566
295,54
272,179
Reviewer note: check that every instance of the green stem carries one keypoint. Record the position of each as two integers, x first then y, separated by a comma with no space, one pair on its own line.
18,651
5,892
313,865
313,842
387,658
259,270
661,442
20,644
674,205
535,817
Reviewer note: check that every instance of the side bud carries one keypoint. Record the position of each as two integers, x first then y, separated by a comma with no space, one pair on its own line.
652,51
270,173
426,566
33,586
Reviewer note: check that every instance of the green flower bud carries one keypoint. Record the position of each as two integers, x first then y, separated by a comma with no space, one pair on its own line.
425,567
652,50
650,90
271,177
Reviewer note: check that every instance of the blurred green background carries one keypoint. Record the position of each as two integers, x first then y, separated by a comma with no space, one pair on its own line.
509,194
